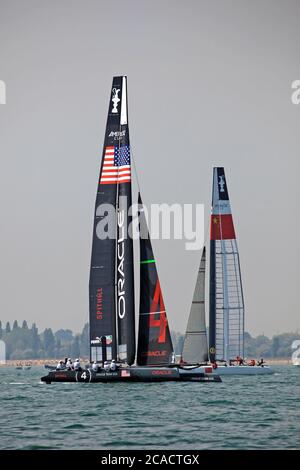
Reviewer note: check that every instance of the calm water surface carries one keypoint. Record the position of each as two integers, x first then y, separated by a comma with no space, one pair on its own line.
240,413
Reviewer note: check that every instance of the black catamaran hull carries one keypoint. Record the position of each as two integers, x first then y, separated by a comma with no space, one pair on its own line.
131,374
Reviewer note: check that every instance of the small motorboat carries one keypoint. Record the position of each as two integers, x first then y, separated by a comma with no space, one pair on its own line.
49,366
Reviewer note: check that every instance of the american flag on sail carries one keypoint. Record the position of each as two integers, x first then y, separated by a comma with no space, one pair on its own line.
116,165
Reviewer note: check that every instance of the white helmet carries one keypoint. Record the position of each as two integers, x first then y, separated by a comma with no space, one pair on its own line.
113,360
77,360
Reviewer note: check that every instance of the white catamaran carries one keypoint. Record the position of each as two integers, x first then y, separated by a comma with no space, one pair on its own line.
226,300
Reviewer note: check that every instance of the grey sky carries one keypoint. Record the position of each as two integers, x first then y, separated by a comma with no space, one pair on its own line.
209,84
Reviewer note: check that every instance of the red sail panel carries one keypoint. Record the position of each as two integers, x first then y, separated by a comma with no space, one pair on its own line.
157,317
154,341
221,227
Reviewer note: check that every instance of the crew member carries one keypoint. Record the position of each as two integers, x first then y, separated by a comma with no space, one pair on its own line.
69,364
239,360
60,365
261,362
95,366
106,366
113,365
77,364
252,362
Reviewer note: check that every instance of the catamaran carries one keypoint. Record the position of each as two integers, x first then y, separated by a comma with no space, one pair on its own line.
226,300
111,285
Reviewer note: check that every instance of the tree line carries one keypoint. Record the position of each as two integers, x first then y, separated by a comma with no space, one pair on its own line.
24,342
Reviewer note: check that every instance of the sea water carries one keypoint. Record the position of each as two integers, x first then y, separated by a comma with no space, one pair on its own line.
244,412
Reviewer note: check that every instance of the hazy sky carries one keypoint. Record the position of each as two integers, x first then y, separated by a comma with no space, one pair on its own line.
209,84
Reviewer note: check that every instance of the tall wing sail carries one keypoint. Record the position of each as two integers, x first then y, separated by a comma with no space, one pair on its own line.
124,268
195,348
226,315
110,292
154,341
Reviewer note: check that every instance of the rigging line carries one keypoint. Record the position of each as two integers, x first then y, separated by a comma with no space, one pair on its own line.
134,168
206,232
237,285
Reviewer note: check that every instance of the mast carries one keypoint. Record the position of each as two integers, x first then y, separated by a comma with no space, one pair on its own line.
226,302
154,340
195,342
111,283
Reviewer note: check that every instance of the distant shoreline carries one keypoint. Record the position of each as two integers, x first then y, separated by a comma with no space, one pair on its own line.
42,362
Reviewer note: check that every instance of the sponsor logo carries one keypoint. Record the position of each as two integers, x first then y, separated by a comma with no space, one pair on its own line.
108,339
161,372
221,183
162,322
221,206
121,273
155,353
115,99
96,341
117,135
99,304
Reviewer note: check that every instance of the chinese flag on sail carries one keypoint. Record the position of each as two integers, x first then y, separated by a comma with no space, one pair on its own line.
221,227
